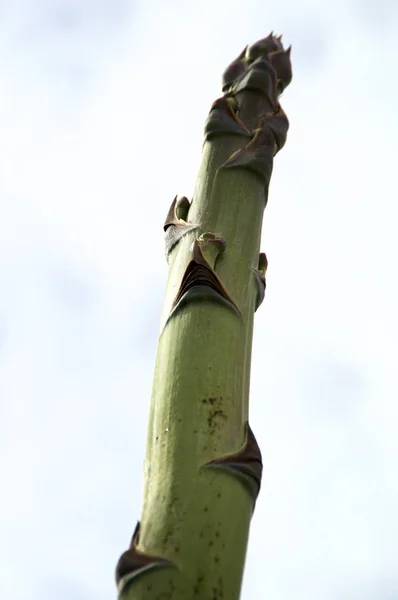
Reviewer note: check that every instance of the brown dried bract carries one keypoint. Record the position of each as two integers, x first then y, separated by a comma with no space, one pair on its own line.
246,463
199,274
133,561
223,119
259,274
175,226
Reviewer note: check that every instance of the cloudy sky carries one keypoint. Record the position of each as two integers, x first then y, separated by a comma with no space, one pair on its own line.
86,89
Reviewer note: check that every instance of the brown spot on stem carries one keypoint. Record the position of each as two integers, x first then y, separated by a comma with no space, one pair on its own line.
211,400
213,420
167,536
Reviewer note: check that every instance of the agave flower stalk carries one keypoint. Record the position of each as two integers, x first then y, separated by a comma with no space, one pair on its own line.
203,465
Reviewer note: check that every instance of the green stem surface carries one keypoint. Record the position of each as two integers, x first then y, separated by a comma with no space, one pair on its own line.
203,465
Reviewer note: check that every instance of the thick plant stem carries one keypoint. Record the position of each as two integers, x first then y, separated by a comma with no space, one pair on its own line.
203,465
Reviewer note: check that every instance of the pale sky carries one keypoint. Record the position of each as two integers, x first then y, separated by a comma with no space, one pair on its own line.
102,107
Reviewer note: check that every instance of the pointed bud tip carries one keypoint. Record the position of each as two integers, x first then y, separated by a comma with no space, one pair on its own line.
243,53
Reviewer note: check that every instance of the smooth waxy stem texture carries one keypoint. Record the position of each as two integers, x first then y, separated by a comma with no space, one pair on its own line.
203,465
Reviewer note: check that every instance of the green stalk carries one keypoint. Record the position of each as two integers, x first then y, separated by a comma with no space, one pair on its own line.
203,465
